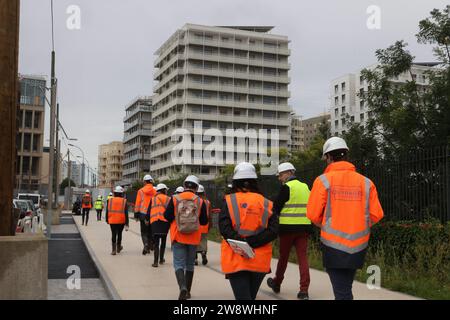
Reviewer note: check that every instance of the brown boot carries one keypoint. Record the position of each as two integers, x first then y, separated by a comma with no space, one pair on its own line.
119,247
113,249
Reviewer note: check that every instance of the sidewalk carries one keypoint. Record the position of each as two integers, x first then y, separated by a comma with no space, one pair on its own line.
129,275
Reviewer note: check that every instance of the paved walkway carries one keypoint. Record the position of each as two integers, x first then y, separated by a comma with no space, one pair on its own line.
66,248
129,275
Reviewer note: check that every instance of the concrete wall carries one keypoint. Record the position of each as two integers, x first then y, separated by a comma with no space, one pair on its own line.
23,267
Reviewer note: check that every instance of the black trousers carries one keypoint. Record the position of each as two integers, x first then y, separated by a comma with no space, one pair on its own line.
245,284
159,241
85,215
99,214
342,281
146,232
116,231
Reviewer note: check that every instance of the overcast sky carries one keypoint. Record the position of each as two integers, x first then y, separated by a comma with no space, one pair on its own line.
109,61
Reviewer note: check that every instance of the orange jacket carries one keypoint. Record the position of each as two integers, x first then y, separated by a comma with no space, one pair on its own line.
159,205
83,205
345,205
191,238
116,210
205,228
143,198
250,213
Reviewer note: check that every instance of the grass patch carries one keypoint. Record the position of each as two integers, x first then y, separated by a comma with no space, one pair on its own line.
419,266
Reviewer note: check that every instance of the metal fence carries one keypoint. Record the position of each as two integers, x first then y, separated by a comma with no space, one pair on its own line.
416,187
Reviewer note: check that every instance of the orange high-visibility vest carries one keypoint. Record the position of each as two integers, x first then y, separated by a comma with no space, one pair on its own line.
191,238
345,204
205,228
159,206
143,198
84,199
250,213
116,210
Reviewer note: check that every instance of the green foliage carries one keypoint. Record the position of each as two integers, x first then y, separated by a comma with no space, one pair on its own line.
65,183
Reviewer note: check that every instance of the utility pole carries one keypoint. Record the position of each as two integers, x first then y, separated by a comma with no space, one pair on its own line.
9,53
69,176
58,157
52,147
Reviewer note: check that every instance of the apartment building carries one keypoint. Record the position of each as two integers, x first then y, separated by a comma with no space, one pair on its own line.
304,131
346,101
110,158
297,142
136,139
30,133
226,77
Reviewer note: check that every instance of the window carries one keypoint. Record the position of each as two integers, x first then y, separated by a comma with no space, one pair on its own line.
336,123
343,86
336,112
37,120
336,101
361,104
336,89
361,117
343,109
343,121
28,119
352,119
361,80
343,98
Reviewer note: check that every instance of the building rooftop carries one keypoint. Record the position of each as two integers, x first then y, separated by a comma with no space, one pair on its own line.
262,29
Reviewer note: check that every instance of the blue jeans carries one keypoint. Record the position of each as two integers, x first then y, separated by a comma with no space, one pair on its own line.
183,256
342,281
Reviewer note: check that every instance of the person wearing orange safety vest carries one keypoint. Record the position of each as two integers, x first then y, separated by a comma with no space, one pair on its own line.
345,205
159,225
141,209
117,218
247,216
186,213
203,246
86,205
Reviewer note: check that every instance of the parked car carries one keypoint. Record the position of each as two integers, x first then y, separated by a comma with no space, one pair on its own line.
26,208
35,197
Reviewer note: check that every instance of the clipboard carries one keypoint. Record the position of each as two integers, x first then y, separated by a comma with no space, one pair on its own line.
242,248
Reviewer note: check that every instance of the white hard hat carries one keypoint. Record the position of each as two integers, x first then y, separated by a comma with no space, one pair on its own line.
99,197
230,186
87,191
201,189
118,189
148,177
244,170
192,179
179,190
110,193
285,166
161,186
334,143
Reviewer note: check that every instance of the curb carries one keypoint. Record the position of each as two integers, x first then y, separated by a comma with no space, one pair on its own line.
111,290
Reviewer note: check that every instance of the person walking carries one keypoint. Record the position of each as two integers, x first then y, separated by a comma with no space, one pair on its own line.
294,228
247,216
345,205
142,206
117,218
86,205
202,248
98,206
186,212
159,225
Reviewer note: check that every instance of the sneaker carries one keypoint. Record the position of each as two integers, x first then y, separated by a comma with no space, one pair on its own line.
275,287
303,296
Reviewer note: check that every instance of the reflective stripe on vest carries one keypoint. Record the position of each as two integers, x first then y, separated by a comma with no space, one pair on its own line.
348,236
98,204
237,217
159,204
114,215
294,210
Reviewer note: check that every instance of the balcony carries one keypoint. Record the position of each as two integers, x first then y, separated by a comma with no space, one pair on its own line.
167,78
179,56
135,111
243,46
140,132
137,157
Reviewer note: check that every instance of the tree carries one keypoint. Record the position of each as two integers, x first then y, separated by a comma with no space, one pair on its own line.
65,183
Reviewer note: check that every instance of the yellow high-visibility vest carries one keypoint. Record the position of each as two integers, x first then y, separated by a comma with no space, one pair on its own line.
294,210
